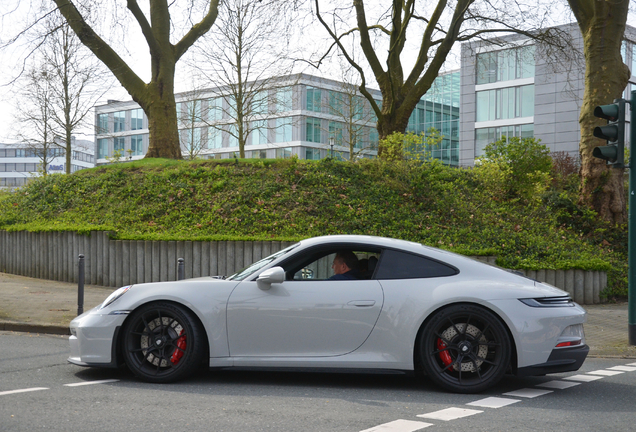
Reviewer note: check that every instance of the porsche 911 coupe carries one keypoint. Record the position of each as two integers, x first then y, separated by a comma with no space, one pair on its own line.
341,302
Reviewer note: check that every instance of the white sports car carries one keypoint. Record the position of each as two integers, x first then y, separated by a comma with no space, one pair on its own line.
388,305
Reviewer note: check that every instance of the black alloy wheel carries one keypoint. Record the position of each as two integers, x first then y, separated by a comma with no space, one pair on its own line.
163,342
465,348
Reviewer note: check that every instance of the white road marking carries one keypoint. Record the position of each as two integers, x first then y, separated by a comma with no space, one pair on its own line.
23,390
605,372
84,383
450,414
528,393
399,426
623,368
631,364
558,384
583,378
493,402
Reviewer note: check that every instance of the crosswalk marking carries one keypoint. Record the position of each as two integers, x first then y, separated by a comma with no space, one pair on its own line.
450,414
560,385
528,393
604,372
583,378
23,390
84,383
399,426
493,402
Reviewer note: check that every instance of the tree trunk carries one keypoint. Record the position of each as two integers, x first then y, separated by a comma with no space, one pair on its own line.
162,125
602,187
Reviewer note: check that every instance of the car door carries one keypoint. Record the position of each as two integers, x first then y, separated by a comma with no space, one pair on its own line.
302,318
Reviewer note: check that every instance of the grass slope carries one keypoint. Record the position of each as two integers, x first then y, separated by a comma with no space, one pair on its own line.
290,199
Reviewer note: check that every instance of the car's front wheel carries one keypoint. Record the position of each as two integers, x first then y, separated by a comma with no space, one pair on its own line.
163,342
464,348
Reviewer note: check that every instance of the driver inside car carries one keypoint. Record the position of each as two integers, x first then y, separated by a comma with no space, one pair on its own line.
345,266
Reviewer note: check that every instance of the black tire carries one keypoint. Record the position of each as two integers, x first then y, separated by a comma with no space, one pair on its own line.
464,349
163,342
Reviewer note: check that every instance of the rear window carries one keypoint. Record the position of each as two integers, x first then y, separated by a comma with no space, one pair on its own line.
401,265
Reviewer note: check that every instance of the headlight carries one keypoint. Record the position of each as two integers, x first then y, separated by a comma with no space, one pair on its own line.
559,301
114,296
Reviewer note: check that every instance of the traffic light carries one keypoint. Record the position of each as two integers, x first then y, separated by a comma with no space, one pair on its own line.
613,132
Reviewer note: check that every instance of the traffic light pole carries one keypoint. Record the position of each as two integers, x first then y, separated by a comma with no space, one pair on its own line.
631,260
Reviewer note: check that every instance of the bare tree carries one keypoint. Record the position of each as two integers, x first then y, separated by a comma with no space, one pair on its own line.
602,25
435,28
192,115
157,96
34,112
245,54
354,115
76,81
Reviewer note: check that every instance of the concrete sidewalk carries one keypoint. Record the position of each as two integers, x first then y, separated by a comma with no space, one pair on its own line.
44,306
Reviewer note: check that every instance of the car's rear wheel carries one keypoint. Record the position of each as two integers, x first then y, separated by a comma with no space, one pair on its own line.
163,342
464,348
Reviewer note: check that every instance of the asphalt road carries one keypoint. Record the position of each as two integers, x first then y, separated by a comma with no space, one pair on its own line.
40,390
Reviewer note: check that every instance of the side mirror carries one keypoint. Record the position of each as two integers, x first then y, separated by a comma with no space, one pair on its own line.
269,277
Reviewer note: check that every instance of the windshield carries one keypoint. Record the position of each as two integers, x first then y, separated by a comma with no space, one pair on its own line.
248,271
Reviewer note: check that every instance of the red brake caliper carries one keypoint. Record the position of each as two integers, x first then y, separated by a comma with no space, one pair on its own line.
181,346
444,355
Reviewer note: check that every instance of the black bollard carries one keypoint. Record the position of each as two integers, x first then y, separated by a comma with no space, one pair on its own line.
180,269
80,286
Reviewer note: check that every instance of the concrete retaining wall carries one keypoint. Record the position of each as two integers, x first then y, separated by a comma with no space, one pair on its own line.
54,255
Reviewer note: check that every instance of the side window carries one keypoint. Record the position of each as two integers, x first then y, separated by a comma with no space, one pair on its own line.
401,265
319,265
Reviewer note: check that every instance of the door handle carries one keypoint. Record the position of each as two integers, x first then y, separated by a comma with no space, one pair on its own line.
361,303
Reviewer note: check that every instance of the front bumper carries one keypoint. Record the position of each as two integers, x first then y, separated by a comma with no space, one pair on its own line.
560,360
94,339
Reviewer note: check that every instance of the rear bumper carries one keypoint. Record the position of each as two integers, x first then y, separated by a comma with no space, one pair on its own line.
560,360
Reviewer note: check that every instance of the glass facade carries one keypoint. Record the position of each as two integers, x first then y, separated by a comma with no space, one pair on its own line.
215,138
283,129
314,96
505,103
505,65
312,154
283,153
439,110
102,123
313,129
119,119
215,109
335,132
284,99
102,148
260,103
485,136
136,119
259,132
120,144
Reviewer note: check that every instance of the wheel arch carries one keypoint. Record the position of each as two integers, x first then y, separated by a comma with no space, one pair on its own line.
119,333
416,346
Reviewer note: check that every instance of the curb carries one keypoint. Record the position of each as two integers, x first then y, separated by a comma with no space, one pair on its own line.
35,328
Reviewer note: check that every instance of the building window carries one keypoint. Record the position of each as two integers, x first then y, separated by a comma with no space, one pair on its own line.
335,103
485,136
215,109
102,148
120,121
283,129
312,154
259,132
137,145
283,153
313,129
313,99
102,123
260,103
215,138
119,145
136,119
633,68
335,132
374,139
505,65
284,99
505,103
233,136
